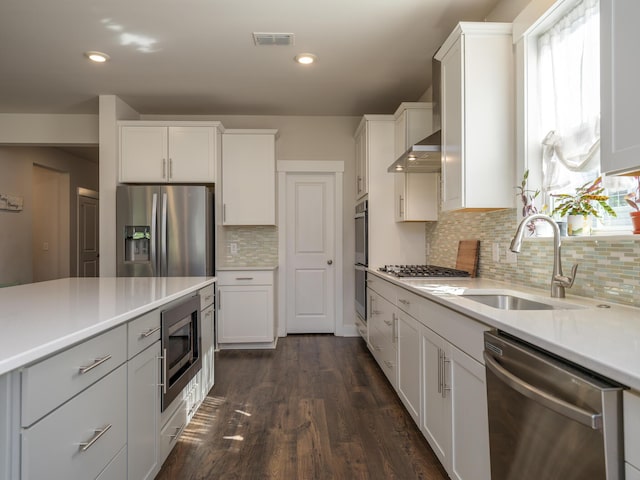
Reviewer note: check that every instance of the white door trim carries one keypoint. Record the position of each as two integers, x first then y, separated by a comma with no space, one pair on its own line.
285,167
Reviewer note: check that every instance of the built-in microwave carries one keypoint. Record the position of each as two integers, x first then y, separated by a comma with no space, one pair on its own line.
181,347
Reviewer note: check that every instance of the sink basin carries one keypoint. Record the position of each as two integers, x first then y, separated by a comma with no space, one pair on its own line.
510,302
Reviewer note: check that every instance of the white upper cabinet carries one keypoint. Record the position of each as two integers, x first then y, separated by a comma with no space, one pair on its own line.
478,152
620,68
416,194
157,152
248,177
362,161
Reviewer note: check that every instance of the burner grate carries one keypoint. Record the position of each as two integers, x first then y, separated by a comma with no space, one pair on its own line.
423,271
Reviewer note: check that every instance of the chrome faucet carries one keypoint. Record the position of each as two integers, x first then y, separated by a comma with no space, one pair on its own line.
558,281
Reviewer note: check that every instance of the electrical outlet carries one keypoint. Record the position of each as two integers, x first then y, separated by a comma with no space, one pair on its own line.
511,257
233,248
495,252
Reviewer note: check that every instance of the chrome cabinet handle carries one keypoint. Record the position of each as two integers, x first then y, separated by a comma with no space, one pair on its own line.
178,430
224,212
219,300
164,168
585,417
98,433
208,298
164,371
401,204
440,371
445,388
389,322
404,302
395,328
244,278
170,168
149,332
97,362
371,306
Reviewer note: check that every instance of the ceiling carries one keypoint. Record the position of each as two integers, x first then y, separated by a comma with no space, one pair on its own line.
198,56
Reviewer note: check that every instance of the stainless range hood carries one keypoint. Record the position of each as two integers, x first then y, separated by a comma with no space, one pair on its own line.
424,156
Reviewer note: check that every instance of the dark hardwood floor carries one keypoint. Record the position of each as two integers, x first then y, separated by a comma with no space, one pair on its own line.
317,407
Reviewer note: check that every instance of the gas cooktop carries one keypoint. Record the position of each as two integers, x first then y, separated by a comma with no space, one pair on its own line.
422,271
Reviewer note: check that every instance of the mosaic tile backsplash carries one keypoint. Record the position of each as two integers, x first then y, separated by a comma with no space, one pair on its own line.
257,246
609,268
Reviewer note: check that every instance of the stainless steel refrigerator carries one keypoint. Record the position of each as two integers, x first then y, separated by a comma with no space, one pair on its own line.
165,231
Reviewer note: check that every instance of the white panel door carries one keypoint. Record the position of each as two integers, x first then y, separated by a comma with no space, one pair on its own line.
310,250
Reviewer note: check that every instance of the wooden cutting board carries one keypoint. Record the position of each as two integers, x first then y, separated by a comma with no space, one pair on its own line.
468,252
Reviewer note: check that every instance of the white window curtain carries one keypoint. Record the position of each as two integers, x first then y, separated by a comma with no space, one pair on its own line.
569,91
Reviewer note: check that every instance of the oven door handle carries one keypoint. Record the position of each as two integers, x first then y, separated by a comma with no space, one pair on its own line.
566,409
164,371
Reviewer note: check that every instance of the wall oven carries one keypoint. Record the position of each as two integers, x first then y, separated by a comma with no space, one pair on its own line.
181,347
362,258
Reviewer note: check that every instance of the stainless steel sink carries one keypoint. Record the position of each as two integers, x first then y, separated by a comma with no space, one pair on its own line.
510,302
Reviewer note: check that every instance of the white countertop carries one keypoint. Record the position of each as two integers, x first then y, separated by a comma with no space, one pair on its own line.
605,340
39,319
246,268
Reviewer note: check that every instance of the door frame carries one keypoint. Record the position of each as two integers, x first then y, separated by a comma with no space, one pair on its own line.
288,167
84,192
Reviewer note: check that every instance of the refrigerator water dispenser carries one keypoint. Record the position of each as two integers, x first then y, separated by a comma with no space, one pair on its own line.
136,243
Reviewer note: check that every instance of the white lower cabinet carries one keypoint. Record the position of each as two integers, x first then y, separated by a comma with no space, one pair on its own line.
117,468
245,307
172,430
143,405
80,438
409,363
382,334
631,415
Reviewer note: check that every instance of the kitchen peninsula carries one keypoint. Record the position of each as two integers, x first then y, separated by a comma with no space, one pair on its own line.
78,356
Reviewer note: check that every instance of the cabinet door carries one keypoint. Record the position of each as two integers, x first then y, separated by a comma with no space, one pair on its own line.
452,72
409,363
421,197
143,154
436,404
143,408
362,164
248,179
470,425
245,314
192,154
620,69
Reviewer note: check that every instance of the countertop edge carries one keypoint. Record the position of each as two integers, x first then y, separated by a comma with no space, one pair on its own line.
40,352
616,372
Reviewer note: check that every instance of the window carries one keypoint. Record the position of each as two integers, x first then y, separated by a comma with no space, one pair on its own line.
563,92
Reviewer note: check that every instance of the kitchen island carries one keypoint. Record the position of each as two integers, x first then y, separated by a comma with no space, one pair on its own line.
79,362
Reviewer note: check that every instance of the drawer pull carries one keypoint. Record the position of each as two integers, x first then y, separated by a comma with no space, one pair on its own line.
178,430
404,302
388,323
208,298
244,278
96,363
149,332
98,433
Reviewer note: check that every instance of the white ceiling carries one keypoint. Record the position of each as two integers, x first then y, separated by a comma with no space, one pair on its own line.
198,56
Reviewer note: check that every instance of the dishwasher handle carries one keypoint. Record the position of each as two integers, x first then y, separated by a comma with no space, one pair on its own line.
592,420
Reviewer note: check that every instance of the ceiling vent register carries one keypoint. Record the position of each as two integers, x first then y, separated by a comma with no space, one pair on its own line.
262,39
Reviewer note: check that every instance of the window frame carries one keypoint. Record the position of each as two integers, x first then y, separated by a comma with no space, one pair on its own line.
537,17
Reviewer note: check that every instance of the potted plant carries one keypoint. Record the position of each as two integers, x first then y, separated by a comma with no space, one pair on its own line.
633,198
580,206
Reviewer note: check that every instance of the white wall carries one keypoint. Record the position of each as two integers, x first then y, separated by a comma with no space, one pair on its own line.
48,129
506,10
16,165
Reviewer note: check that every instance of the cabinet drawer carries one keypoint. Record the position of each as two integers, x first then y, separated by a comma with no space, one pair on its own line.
631,428
206,323
382,288
245,277
409,302
362,329
117,468
51,382
172,430
206,296
384,351
143,332
68,444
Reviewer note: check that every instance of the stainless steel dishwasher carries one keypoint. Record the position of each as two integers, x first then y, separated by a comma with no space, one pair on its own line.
549,419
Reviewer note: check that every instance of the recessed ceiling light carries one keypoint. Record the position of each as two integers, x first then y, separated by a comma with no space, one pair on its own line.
97,57
306,58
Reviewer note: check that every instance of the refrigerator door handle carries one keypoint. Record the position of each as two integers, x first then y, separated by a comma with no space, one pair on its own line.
154,232
163,237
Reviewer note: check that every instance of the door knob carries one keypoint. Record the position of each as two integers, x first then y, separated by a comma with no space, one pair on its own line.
329,262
